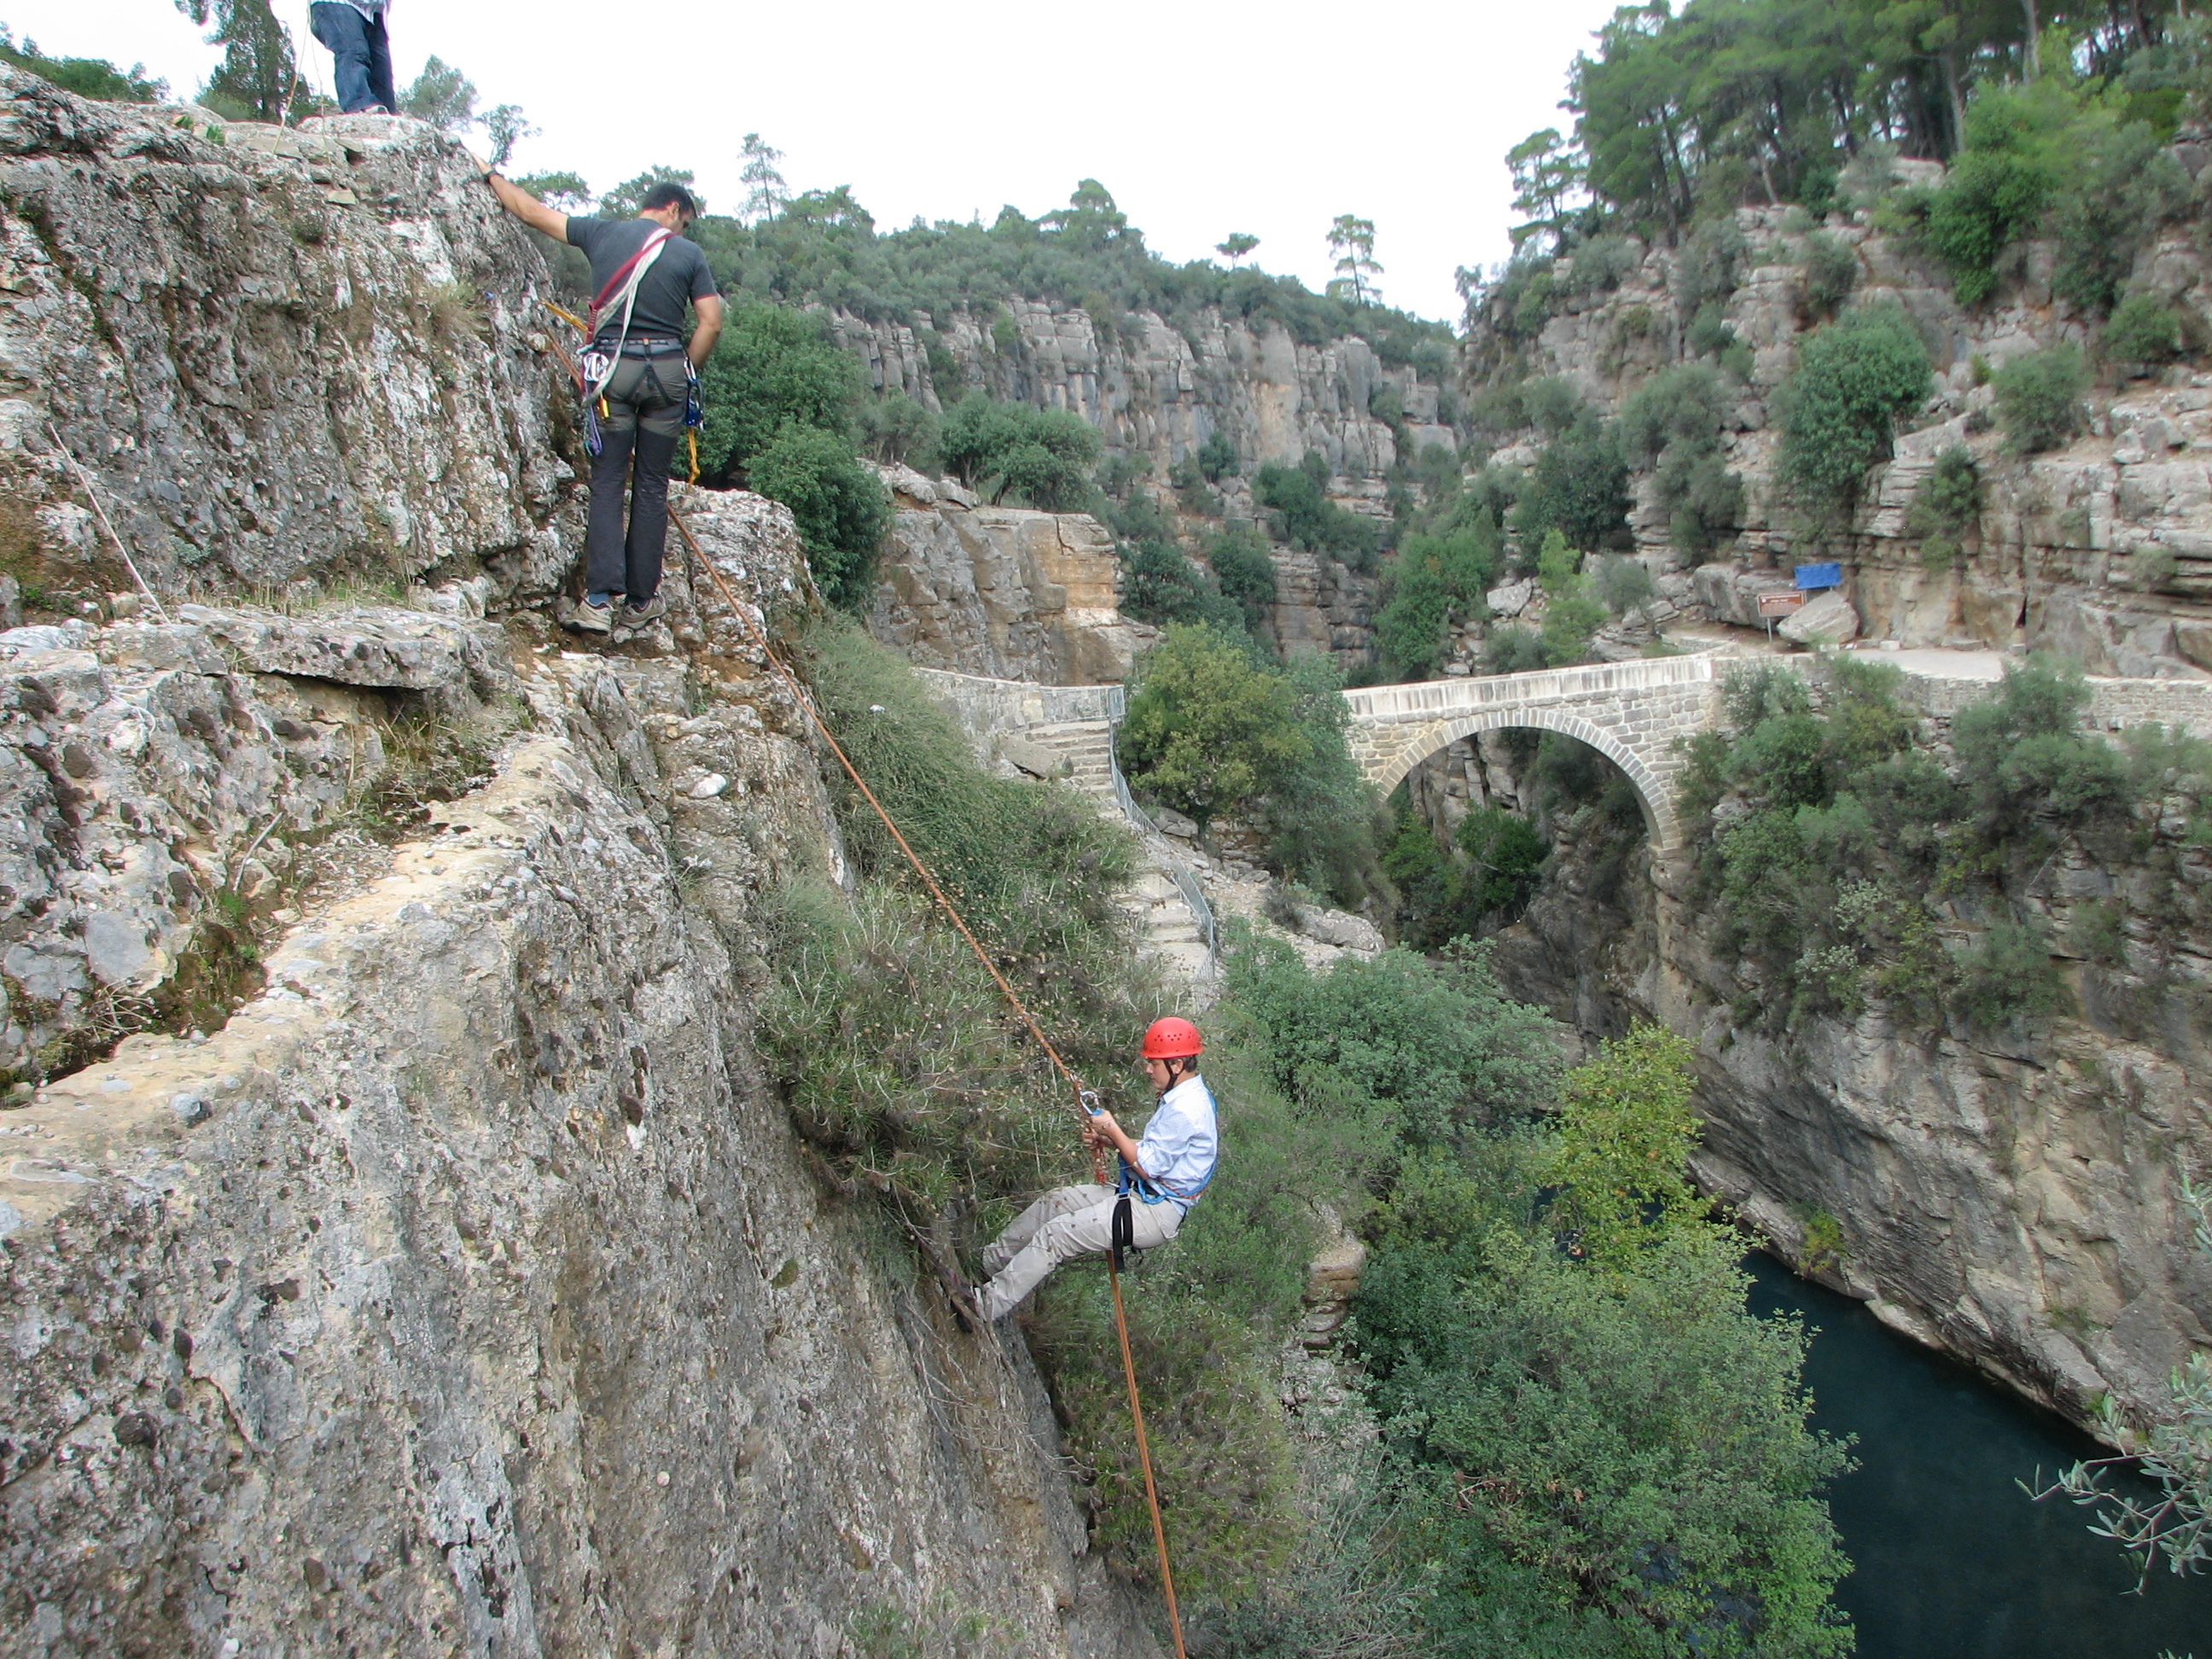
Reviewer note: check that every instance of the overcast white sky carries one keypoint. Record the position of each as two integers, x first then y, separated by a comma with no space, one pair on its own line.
1202,118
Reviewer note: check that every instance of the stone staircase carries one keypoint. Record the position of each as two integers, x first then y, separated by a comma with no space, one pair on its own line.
1068,733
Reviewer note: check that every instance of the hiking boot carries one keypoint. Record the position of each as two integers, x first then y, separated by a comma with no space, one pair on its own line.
585,617
634,615
967,1306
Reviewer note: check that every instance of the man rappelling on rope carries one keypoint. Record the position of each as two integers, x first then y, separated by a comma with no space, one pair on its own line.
638,383
1162,1176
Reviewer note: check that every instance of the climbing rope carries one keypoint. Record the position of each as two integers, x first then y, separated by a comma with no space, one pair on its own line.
944,901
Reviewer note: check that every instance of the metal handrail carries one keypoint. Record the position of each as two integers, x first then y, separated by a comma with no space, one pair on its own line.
1185,879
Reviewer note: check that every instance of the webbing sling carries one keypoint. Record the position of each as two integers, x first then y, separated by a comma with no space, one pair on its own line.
595,366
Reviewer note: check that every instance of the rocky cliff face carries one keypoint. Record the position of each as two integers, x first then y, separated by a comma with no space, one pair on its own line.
2012,1199
2054,563
1000,591
1156,396
279,354
1156,393
444,1275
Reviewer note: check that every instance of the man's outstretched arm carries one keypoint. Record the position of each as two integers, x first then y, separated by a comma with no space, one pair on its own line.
525,206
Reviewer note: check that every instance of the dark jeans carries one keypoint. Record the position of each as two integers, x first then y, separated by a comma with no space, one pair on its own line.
363,54
645,418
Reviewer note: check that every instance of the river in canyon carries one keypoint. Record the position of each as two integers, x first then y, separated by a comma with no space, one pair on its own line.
1950,1559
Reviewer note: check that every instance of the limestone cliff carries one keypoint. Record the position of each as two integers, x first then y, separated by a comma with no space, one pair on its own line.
440,1275
2053,562
1000,591
1157,394
2012,1199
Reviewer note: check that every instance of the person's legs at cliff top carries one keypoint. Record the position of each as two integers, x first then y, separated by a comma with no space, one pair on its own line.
379,63
345,31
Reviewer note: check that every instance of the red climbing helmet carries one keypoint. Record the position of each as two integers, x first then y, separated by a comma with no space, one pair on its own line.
1172,1039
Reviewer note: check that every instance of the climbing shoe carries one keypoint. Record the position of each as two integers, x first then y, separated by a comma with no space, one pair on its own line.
634,615
585,617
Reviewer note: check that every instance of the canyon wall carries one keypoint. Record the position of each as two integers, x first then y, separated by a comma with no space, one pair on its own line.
2055,561
2011,1197
443,1274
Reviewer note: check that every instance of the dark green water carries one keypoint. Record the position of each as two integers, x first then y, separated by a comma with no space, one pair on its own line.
1951,1560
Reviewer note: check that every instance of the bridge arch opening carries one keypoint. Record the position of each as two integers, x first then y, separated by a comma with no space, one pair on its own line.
1652,796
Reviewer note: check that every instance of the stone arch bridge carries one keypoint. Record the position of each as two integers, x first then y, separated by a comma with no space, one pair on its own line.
1632,712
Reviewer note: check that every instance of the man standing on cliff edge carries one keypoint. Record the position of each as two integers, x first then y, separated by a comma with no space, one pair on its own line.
638,380
361,52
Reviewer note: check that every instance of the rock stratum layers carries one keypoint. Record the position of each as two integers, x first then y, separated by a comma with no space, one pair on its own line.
447,1277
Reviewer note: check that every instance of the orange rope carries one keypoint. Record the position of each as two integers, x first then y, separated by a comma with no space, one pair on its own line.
1013,1000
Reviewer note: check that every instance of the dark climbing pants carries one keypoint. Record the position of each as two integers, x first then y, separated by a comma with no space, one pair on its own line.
643,419
361,54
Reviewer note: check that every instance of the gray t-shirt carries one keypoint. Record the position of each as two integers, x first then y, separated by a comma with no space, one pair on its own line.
679,276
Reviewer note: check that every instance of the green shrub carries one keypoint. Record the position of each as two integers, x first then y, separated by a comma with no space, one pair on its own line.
897,430
1431,1042
1160,585
1623,584
2022,754
2040,397
1507,856
841,508
1041,456
2123,182
2142,332
1673,423
1308,519
1208,730
1217,456
1245,569
1577,1424
893,1048
1513,649
1435,581
2012,163
1830,270
1323,821
773,369
1552,405
1579,486
1947,508
1855,379
2006,979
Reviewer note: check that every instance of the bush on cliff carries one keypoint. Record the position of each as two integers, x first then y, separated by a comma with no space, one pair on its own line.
1855,379
1671,424
1305,517
1041,457
2040,397
1561,1422
882,1029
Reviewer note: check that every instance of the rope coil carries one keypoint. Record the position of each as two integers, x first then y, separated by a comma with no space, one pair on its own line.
1081,1096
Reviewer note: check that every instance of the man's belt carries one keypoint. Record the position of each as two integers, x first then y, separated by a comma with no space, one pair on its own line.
648,348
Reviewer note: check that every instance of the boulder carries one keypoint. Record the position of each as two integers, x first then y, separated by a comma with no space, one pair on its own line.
1826,619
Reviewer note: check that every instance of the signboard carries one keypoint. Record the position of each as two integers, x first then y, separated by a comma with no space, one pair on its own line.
1810,576
1779,604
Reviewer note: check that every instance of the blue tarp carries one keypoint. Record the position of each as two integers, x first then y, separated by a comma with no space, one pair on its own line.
1810,576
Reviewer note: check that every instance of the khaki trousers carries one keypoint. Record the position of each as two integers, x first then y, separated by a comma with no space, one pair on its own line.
1065,1224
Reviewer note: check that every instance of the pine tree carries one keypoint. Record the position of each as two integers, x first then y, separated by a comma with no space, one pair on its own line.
766,194
1237,246
1352,241
503,123
441,95
259,78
